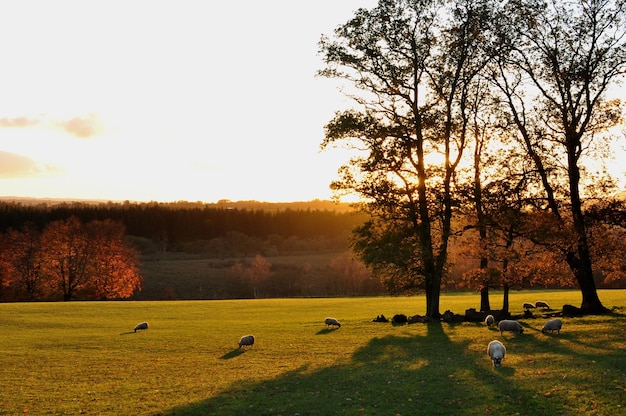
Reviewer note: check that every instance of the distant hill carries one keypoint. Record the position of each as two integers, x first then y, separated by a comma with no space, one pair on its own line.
26,200
316,204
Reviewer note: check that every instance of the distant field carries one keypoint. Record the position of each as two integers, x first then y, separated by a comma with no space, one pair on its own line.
83,358
180,276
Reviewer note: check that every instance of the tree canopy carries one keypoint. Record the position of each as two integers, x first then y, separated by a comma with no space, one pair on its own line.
528,79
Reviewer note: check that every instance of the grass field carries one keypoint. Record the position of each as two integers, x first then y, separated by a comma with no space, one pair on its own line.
83,358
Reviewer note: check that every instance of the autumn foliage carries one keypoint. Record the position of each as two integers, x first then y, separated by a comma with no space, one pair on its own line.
68,260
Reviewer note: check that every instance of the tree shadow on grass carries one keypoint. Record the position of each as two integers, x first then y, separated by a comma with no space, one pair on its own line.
571,337
395,374
575,365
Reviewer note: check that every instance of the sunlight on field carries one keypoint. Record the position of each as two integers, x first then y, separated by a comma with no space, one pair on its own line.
84,357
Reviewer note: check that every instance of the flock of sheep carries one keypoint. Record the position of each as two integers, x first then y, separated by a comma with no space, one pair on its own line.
538,304
495,349
247,340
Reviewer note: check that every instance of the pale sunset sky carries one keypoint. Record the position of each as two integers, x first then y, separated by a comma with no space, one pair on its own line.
167,100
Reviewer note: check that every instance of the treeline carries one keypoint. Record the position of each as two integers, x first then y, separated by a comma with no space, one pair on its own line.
60,251
174,226
245,244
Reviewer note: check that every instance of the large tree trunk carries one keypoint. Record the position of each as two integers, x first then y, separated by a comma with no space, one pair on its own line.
579,260
505,300
433,292
581,268
484,290
484,299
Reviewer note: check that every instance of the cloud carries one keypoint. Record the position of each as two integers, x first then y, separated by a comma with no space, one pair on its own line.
82,126
19,122
13,165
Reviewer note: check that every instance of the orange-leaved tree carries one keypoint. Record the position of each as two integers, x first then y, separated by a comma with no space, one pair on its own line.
89,260
113,271
23,263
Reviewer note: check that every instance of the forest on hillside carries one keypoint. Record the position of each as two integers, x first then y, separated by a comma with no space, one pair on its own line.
186,226
183,250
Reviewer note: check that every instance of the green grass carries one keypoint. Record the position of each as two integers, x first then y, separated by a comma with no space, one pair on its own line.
83,358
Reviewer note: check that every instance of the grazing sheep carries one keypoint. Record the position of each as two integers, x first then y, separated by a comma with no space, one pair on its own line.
496,351
246,341
529,306
510,326
490,320
542,304
141,326
552,325
332,322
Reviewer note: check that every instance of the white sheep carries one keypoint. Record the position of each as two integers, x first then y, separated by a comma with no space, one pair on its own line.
141,326
332,322
528,306
490,320
246,341
510,326
496,351
542,304
552,325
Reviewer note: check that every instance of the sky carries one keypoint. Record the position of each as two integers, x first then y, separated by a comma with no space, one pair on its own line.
167,100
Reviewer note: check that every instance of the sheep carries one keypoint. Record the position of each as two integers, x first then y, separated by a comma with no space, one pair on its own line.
246,341
141,326
528,306
542,304
552,325
510,325
490,320
496,351
332,322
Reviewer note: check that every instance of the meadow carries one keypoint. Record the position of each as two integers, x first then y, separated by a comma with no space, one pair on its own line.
84,358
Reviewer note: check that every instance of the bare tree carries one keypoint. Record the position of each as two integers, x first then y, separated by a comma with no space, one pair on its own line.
258,271
350,274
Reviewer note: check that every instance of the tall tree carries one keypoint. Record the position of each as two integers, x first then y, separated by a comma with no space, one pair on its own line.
257,273
25,261
559,60
412,63
486,165
113,273
67,251
91,260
